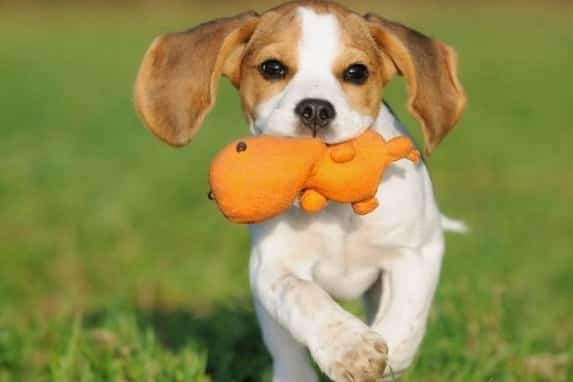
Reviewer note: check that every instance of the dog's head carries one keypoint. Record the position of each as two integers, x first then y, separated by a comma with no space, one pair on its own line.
304,68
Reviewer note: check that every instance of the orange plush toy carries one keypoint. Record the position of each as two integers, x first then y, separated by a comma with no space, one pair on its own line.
257,178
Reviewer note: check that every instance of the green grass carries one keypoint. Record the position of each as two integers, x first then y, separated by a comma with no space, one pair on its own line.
115,267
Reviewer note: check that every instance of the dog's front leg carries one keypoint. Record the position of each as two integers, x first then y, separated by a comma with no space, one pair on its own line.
400,304
341,344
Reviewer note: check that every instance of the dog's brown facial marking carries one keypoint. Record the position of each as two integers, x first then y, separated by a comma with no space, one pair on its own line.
356,47
275,41
289,56
360,54
313,97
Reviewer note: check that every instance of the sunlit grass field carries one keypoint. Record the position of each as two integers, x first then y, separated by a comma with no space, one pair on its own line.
114,266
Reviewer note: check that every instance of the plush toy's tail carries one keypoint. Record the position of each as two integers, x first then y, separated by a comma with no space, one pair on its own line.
455,226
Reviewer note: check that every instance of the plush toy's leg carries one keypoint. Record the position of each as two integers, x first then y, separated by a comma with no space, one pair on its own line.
343,153
414,156
312,201
366,206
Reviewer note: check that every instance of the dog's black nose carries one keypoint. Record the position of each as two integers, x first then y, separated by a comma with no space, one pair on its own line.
315,113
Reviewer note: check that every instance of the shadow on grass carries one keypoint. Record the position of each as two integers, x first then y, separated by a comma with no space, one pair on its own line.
230,334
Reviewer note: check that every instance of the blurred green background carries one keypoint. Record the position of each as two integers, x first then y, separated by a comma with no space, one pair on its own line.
114,266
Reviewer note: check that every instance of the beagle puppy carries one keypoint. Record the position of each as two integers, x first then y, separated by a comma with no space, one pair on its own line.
315,68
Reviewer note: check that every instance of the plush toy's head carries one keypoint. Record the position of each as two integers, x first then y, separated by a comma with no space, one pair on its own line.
253,178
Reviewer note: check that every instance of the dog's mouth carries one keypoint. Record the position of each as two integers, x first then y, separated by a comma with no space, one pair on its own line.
328,135
315,131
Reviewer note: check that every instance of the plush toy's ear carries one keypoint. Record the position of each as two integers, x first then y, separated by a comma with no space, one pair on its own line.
177,81
435,95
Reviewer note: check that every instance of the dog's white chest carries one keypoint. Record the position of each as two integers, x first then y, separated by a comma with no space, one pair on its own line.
347,263
344,279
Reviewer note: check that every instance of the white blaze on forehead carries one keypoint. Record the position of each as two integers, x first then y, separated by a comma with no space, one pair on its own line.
319,44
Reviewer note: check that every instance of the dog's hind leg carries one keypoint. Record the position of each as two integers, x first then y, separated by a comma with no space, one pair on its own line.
290,359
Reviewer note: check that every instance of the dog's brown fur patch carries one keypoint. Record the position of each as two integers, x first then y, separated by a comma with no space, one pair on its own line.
276,37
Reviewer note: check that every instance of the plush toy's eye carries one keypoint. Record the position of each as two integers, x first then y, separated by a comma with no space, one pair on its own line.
273,70
211,195
356,74
241,146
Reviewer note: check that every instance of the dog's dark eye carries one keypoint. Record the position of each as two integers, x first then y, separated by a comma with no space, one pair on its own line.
356,74
273,70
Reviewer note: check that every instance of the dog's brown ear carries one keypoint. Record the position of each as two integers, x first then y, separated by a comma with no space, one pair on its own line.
177,81
435,95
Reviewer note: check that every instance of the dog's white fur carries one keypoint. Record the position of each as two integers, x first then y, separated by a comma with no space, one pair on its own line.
298,261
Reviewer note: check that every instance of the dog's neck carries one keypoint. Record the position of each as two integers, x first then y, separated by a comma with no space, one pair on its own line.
387,124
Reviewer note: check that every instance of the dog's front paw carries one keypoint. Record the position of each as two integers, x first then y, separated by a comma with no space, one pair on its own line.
355,356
